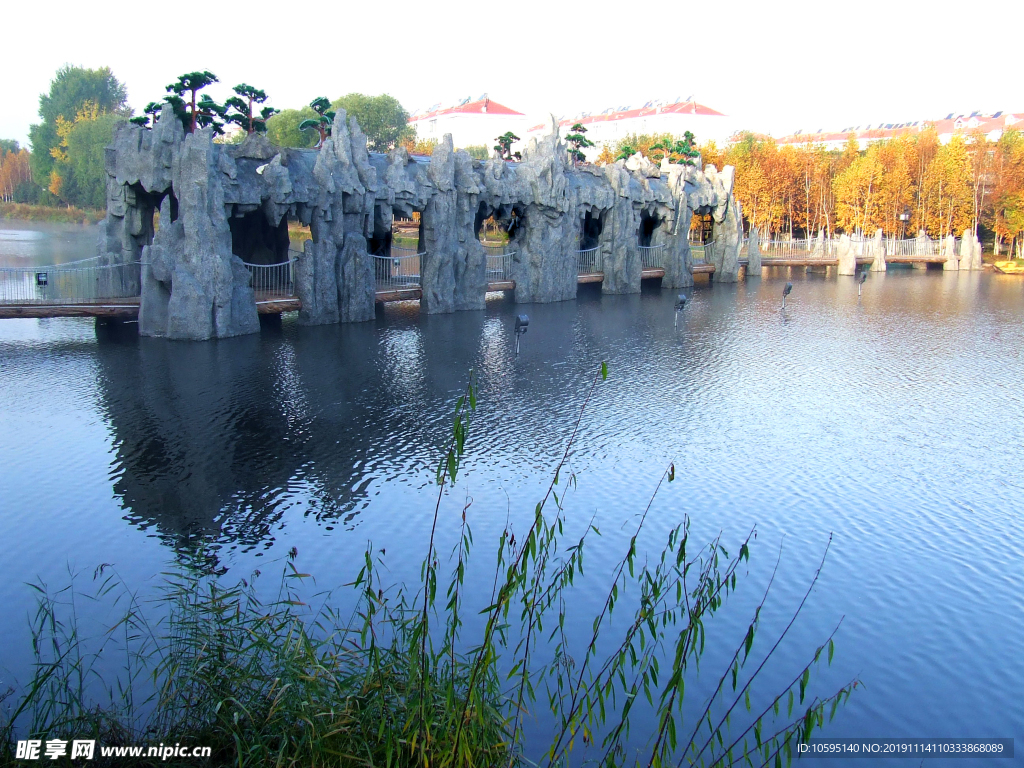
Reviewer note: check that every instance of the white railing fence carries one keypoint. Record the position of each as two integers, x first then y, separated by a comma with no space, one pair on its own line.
911,246
589,261
797,248
64,284
272,281
399,270
651,256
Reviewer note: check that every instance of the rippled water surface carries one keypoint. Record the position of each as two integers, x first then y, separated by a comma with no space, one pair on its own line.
893,422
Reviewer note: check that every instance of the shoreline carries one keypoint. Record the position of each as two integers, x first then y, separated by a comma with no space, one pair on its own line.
62,215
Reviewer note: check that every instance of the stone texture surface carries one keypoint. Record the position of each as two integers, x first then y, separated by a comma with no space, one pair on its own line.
195,287
847,256
754,267
728,238
878,246
970,251
952,263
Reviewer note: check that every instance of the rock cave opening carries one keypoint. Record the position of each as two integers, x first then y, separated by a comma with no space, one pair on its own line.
255,239
649,222
379,243
591,227
701,228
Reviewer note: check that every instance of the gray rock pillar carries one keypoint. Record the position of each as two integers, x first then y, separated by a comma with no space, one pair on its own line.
970,256
677,258
210,291
470,258
619,249
952,263
754,268
878,250
440,240
728,236
316,278
847,256
356,284
544,266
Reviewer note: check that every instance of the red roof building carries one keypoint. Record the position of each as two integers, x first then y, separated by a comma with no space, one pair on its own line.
991,126
471,122
655,117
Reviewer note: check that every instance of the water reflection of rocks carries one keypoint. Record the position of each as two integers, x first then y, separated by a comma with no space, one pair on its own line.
218,441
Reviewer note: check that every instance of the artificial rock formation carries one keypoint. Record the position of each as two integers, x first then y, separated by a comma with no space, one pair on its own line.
970,251
952,264
754,267
878,251
224,207
846,256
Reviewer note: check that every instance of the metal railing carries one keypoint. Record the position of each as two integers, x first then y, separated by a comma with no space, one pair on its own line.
700,253
799,248
651,256
589,261
63,284
499,264
399,270
272,281
911,246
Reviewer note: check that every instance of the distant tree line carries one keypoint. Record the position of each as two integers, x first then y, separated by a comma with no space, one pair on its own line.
901,185
65,163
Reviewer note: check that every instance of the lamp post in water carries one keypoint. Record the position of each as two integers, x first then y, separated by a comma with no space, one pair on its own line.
522,323
785,292
863,276
680,306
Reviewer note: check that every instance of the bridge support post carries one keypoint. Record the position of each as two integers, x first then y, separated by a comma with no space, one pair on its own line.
619,245
728,238
847,256
754,268
952,264
878,250
970,252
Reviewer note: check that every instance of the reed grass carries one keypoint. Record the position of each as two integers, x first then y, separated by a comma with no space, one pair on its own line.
416,677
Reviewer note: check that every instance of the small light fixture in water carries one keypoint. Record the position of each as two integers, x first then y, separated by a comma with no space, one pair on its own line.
522,323
860,280
680,306
785,292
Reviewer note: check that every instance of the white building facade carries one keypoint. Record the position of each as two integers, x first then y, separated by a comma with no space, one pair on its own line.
471,123
655,117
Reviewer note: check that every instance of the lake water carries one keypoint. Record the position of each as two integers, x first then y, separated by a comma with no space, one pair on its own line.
893,421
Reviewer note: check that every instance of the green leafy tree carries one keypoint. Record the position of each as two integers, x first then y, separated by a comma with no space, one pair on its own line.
577,143
87,144
504,146
242,105
381,118
283,128
322,122
69,91
476,151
